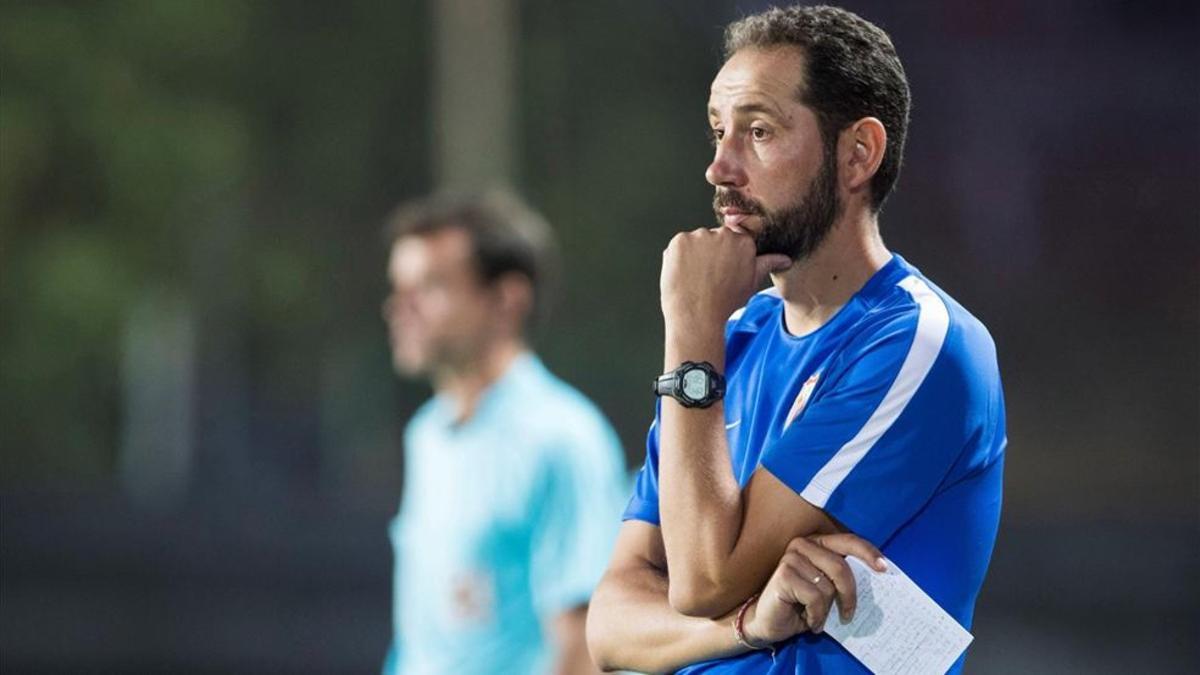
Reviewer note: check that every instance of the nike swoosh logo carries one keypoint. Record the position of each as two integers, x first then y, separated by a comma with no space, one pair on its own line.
730,426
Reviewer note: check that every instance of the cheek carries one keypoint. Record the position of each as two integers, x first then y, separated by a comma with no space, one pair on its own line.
450,315
474,315
439,316
785,168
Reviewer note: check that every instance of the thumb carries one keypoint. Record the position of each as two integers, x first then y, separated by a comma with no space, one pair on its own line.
768,264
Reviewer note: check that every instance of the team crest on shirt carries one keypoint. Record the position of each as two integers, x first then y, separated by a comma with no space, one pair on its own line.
472,597
802,398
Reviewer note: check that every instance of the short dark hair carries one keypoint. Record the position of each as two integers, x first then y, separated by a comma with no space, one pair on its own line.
507,236
851,72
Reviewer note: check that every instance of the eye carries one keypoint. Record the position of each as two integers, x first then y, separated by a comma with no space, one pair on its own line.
759,133
715,135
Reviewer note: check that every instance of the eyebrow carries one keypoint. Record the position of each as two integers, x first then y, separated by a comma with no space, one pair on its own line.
747,108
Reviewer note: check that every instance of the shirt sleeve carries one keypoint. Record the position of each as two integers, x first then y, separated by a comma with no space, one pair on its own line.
582,484
883,432
643,505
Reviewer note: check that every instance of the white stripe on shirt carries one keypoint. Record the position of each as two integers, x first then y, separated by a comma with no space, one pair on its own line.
933,322
769,290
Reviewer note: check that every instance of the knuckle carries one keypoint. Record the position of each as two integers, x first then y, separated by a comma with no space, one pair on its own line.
787,574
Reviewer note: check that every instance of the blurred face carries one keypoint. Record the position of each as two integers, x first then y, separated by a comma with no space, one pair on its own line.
439,312
774,178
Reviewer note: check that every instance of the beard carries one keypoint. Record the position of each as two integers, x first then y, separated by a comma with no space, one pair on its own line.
797,230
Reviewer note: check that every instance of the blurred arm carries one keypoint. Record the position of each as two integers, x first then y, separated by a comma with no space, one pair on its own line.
567,631
631,625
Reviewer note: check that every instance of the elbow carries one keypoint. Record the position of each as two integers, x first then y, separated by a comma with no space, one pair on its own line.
600,650
600,645
602,657
699,598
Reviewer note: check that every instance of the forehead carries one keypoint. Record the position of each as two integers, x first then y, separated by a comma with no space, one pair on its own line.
757,77
443,251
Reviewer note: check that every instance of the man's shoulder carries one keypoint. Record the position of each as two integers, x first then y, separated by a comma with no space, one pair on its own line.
943,339
424,416
966,340
554,411
913,300
757,311
545,393
924,324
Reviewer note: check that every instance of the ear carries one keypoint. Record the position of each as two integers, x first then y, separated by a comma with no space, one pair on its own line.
515,294
864,143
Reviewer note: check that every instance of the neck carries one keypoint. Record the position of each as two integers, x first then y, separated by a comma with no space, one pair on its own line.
465,383
815,288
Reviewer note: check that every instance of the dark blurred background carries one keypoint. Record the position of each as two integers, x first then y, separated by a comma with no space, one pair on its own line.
199,428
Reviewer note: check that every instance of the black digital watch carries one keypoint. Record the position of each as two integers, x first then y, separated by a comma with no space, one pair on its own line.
693,384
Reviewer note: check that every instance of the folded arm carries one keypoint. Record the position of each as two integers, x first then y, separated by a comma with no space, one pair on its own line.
630,623
566,631
721,542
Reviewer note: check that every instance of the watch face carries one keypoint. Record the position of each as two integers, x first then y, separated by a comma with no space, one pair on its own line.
695,384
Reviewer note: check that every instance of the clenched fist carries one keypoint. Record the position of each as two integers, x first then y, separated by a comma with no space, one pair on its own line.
707,274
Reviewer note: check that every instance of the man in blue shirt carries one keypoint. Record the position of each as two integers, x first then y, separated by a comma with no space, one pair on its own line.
513,479
853,396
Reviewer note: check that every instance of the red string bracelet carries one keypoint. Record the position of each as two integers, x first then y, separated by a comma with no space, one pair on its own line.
739,627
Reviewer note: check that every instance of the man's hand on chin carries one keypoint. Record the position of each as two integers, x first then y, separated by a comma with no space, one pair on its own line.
709,273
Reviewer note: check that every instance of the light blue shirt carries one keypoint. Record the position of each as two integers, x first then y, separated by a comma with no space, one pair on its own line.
506,520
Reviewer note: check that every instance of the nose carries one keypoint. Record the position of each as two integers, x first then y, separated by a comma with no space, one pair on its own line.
388,308
726,169
396,306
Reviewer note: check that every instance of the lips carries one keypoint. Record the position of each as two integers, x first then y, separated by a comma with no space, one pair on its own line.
733,210
733,218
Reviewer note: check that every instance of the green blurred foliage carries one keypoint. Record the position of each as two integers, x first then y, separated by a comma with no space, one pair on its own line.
237,154
242,156
106,127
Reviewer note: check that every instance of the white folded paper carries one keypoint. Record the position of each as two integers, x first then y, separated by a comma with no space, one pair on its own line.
897,629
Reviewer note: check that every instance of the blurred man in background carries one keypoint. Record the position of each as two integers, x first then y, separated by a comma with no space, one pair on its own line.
512,478
859,397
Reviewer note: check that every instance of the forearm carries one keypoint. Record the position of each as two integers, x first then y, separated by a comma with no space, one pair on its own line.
632,626
573,660
567,630
701,503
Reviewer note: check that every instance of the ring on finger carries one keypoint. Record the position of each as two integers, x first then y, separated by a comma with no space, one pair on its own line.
817,579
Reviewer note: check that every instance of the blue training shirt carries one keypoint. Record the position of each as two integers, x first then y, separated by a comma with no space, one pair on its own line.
890,418
506,520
